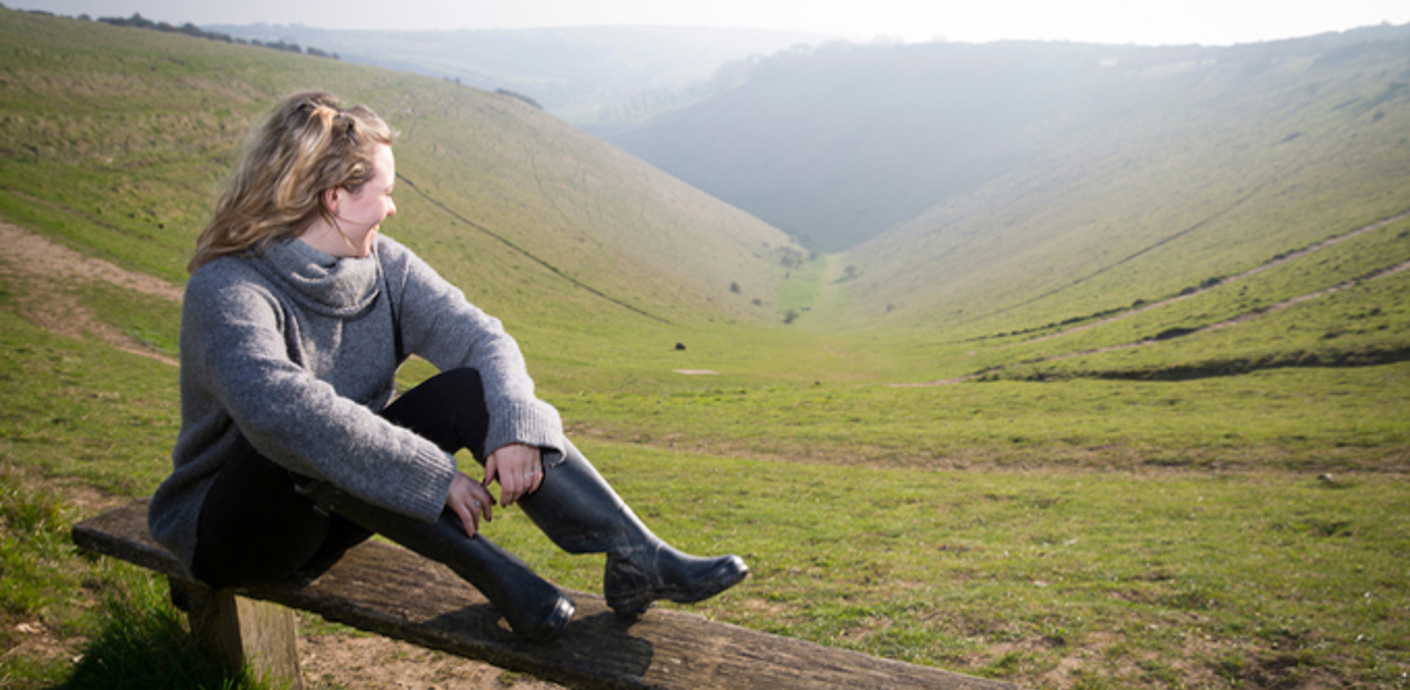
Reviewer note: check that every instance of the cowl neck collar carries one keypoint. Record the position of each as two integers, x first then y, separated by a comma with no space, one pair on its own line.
318,281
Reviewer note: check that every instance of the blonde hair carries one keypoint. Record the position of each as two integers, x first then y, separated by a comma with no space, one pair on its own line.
308,145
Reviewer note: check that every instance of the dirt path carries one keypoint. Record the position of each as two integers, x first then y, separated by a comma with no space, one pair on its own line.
44,273
347,660
48,272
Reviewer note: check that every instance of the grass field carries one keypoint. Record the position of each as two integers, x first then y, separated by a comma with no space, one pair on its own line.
1070,534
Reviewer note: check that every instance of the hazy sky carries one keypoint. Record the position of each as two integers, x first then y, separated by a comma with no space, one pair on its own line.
1150,22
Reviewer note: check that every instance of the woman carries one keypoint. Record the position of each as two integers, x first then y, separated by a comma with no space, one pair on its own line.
291,450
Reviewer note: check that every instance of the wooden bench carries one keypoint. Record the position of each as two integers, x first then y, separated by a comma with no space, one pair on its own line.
390,591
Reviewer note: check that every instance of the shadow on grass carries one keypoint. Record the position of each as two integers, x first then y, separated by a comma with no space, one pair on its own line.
144,645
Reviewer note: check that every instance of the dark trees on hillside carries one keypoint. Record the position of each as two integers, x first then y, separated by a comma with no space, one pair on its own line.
137,21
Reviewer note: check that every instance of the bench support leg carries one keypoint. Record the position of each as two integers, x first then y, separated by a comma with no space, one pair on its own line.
245,632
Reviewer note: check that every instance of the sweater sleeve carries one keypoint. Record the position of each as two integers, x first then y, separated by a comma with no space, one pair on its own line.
234,347
439,324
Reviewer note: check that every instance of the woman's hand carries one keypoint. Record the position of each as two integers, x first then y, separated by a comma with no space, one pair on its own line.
519,469
470,501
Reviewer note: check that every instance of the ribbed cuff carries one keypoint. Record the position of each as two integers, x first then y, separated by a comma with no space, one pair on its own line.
534,424
425,483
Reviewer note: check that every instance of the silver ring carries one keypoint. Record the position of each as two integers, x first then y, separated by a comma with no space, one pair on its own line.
477,504
528,475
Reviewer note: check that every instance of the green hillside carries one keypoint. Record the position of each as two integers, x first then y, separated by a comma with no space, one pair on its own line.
1210,171
1225,168
1130,416
116,139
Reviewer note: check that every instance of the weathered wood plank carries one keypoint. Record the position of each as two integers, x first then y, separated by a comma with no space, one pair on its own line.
390,591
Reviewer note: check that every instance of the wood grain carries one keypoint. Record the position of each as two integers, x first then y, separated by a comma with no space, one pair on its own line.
393,592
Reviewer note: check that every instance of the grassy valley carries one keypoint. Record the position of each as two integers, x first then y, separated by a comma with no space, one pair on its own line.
998,439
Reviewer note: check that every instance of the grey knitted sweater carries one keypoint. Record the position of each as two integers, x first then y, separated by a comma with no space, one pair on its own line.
296,351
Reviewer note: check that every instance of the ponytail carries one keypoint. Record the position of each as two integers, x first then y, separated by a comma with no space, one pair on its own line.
308,145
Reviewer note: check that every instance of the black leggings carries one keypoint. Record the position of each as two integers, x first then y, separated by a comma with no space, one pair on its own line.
255,528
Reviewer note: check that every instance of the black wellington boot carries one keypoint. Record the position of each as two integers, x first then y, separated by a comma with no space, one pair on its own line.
581,513
534,608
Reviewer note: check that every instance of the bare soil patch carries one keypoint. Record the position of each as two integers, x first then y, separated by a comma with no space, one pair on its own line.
351,660
48,270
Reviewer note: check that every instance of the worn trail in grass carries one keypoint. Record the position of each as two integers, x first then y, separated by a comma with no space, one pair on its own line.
1193,291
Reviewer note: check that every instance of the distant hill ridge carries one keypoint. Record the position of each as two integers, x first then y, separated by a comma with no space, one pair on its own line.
590,76
841,143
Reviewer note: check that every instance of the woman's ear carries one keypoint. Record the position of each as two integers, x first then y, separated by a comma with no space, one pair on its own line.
330,200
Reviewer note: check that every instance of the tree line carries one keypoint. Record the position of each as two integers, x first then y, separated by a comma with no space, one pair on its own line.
139,22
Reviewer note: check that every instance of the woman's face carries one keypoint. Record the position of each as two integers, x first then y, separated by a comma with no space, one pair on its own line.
359,214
